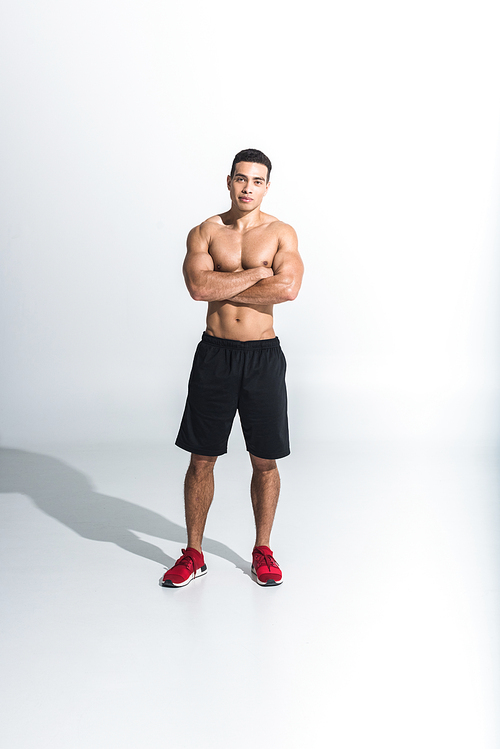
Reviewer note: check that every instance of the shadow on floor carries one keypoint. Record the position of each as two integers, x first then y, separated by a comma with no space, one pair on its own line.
67,495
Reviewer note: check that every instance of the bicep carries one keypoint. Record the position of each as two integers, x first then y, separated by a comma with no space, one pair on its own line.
287,264
198,258
287,260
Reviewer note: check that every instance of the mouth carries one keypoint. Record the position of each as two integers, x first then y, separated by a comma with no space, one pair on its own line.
245,199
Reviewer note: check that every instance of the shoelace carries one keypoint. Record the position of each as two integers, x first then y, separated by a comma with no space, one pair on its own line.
185,560
269,560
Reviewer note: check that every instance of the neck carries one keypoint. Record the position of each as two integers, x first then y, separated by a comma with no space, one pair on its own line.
243,219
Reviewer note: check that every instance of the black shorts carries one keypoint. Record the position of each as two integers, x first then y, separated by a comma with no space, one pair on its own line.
229,376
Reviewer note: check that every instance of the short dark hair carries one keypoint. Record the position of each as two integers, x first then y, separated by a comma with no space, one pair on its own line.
253,156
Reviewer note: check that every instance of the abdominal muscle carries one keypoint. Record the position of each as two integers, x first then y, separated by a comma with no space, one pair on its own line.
240,322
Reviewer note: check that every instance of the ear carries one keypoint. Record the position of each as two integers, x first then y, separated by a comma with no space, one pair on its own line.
228,181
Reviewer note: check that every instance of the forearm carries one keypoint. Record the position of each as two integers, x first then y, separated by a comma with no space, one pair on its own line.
272,290
215,286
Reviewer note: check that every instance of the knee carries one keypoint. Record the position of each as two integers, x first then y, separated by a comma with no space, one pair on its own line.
202,463
262,465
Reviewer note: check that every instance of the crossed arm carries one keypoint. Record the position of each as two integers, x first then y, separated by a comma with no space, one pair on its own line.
259,285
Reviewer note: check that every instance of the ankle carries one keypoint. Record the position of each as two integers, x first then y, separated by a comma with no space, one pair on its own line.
262,542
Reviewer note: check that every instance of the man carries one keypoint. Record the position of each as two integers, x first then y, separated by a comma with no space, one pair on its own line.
241,262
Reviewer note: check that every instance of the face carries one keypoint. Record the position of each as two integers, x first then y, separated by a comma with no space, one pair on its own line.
248,185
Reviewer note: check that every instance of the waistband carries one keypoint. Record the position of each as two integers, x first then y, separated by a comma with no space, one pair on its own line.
241,345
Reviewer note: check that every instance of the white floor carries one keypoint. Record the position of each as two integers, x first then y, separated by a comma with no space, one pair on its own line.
384,633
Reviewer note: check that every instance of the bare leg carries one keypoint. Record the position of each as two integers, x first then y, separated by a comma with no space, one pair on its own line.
264,490
198,495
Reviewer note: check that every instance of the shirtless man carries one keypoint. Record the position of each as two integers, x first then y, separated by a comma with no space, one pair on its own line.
241,262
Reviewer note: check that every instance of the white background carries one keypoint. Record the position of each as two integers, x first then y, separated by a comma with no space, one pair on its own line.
119,124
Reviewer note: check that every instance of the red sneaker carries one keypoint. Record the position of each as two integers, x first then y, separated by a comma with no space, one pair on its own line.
190,565
265,567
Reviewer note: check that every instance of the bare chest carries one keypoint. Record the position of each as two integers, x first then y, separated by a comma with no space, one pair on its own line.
233,251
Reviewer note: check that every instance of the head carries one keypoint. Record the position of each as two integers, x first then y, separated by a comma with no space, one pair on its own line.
249,179
252,156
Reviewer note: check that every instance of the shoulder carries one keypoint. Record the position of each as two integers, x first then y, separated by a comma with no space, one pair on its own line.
213,221
204,232
287,231
210,225
279,227
287,236
284,235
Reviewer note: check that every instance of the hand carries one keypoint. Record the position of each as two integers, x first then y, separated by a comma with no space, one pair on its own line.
266,272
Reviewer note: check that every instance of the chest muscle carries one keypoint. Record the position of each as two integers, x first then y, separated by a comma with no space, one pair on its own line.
232,251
